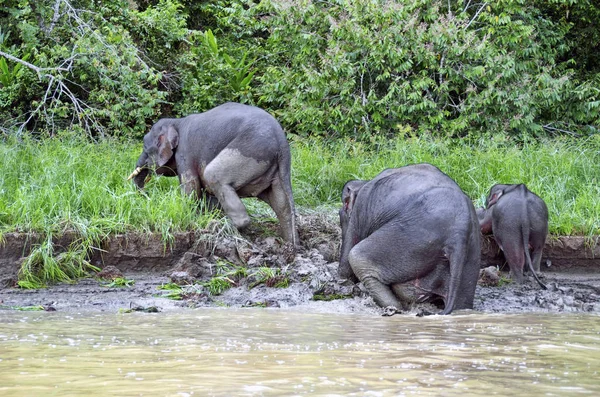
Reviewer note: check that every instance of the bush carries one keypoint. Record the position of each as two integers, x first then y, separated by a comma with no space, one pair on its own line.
358,68
342,68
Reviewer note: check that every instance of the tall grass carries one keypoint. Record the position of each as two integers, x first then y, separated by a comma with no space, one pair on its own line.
565,173
55,186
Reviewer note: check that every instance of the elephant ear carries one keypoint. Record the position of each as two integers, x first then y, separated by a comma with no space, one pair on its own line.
494,197
167,143
349,193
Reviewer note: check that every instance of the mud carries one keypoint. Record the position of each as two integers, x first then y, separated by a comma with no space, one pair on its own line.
261,271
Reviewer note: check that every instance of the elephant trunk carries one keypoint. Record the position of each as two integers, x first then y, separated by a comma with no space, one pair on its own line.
141,171
140,178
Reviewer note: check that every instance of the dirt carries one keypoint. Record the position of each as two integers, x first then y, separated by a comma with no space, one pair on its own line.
141,272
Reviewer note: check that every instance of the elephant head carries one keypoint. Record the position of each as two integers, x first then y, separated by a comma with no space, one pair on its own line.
158,155
496,192
349,193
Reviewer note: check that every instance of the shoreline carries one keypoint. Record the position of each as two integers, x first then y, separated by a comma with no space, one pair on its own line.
570,268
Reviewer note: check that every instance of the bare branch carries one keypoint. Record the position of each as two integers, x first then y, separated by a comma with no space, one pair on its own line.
59,89
55,18
31,66
467,6
476,15
548,127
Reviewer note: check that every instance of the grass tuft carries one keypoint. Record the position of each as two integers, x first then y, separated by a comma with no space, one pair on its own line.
271,277
228,275
119,282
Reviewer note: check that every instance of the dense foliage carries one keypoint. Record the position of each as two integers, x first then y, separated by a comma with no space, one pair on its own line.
338,68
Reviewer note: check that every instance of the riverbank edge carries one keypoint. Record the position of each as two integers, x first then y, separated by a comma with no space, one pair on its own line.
149,253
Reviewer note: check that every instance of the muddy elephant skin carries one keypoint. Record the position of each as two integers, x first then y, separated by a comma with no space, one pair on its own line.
228,152
518,219
410,225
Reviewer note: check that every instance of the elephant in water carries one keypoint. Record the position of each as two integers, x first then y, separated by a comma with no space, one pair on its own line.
228,152
518,219
411,225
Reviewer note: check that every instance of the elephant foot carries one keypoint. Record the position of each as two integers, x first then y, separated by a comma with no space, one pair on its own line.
390,311
241,223
423,313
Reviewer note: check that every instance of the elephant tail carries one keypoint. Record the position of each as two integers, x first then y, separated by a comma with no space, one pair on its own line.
525,228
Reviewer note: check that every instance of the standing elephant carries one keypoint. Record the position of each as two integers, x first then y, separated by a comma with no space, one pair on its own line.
518,219
228,152
411,224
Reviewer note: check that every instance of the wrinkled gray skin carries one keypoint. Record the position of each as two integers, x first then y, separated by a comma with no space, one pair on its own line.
228,152
410,225
518,219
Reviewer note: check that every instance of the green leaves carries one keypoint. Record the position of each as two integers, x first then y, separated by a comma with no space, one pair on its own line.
7,75
446,71
211,42
239,70
338,68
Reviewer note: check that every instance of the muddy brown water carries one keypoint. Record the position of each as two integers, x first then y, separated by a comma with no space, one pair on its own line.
274,352
93,341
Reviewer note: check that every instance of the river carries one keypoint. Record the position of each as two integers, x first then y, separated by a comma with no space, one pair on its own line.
274,352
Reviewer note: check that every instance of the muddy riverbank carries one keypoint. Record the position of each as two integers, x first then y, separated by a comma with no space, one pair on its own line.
213,268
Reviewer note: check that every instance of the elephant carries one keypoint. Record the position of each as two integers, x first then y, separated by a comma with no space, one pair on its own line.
415,225
518,219
231,151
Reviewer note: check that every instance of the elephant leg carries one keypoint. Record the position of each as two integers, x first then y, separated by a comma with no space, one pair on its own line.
229,171
232,205
513,253
382,294
516,261
536,259
190,183
277,198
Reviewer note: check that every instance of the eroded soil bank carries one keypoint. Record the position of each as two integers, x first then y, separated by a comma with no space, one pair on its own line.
257,270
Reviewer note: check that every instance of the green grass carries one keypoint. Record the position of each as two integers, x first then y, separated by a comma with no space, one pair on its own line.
173,291
565,173
119,282
227,275
55,186
271,277
36,308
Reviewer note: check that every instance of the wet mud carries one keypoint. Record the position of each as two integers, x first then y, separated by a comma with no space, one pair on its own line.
256,269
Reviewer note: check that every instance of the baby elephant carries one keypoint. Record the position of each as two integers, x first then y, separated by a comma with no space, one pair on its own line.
518,219
410,225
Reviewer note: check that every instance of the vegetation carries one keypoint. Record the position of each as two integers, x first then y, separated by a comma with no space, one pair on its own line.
342,68
269,276
119,282
43,264
173,291
227,276
37,308
330,297
61,185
